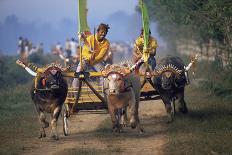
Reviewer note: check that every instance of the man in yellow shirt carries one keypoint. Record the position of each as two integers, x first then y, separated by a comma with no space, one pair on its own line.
94,50
138,49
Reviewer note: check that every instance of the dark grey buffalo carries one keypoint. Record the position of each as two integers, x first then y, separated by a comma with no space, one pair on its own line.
49,93
171,82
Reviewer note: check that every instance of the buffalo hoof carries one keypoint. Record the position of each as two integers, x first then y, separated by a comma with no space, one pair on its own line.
54,137
123,123
42,135
169,118
120,130
141,130
133,125
183,110
115,130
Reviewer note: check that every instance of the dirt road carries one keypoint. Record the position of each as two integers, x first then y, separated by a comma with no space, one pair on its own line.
91,134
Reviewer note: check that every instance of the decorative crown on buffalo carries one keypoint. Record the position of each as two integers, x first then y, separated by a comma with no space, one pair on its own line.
57,66
169,67
115,68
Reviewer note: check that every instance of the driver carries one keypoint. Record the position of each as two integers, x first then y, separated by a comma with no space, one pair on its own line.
138,49
94,50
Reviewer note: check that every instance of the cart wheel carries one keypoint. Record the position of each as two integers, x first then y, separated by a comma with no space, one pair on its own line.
65,121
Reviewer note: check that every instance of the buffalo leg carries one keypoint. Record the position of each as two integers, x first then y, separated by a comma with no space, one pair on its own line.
54,120
139,126
123,121
181,103
132,113
43,124
111,110
118,119
168,108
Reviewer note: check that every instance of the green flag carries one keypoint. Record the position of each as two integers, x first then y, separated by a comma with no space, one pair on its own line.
82,16
145,20
82,23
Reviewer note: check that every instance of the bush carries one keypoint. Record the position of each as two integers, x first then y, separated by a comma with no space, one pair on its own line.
11,74
219,79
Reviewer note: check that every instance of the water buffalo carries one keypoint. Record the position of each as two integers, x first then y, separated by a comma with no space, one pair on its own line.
170,83
122,90
48,92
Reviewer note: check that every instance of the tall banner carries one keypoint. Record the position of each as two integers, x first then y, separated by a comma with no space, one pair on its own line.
82,16
82,24
145,21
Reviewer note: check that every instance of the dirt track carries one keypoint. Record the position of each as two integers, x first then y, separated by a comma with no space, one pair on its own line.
93,132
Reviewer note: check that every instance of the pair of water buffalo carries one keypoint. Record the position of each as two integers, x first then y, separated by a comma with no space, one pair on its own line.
122,89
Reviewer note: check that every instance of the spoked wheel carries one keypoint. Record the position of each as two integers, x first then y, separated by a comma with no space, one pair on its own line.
65,120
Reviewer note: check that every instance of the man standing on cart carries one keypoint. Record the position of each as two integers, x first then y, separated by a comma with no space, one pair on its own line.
138,49
95,48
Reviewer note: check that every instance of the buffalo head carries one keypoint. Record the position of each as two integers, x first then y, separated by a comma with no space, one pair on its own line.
52,78
170,76
115,83
115,78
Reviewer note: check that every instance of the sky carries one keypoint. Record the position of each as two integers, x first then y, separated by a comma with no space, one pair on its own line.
52,21
56,10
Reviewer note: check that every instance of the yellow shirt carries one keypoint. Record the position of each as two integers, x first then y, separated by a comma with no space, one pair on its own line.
152,44
100,49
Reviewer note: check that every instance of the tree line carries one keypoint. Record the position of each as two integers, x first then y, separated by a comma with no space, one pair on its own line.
204,21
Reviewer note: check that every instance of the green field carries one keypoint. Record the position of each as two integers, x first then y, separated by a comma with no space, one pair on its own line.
207,129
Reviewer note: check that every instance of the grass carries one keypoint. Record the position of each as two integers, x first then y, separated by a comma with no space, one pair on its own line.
207,129
17,120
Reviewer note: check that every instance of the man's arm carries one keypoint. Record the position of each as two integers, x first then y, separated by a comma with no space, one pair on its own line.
137,52
153,46
86,40
100,56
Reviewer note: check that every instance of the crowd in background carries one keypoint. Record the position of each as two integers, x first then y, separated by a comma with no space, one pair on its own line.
26,48
70,51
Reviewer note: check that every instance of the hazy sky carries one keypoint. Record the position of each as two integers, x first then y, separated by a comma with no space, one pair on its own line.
54,11
52,21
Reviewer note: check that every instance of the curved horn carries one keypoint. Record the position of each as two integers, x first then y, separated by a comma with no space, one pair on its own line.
192,62
20,63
